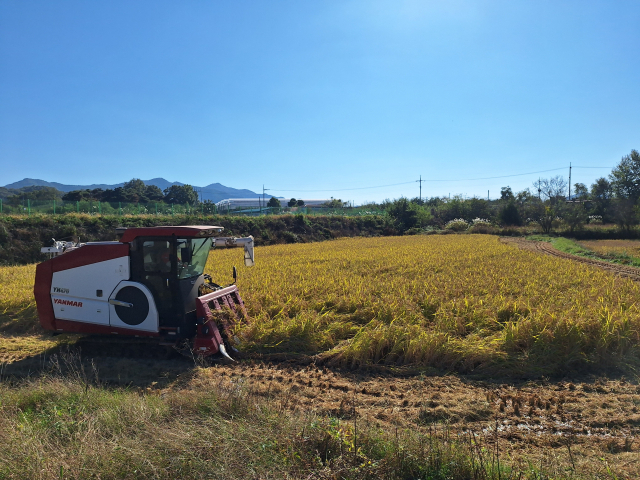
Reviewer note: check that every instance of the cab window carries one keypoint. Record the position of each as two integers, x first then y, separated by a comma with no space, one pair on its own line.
192,256
157,256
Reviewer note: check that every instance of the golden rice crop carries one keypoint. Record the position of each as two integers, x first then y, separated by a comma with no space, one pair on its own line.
20,335
458,302
455,302
16,288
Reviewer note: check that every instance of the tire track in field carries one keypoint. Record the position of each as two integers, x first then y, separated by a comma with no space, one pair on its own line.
546,248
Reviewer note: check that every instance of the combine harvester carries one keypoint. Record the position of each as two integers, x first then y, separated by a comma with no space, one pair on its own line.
150,283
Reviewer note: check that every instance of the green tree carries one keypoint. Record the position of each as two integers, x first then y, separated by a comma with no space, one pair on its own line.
509,214
404,213
300,203
273,203
456,207
524,196
153,193
34,193
181,194
334,203
76,196
601,198
625,213
292,203
506,194
625,178
117,194
135,186
574,215
478,208
545,216
209,207
580,191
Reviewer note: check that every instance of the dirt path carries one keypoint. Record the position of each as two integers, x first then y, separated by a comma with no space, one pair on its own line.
546,248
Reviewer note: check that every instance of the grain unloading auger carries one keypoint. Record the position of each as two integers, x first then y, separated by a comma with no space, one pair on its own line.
149,283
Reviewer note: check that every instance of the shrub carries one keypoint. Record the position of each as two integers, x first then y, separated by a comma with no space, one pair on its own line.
457,225
481,226
509,215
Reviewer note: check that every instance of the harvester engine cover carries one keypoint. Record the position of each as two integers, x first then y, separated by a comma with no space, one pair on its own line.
149,283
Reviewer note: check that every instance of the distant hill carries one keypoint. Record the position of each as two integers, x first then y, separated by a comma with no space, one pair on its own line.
30,182
214,192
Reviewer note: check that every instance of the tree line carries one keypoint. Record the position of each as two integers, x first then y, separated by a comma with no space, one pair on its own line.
612,199
133,191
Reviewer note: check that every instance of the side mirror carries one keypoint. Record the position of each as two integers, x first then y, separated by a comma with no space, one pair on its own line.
235,274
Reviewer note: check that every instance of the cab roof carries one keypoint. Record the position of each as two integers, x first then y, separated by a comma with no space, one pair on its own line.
129,234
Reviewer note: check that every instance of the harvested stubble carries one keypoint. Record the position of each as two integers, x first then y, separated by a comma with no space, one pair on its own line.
613,247
454,302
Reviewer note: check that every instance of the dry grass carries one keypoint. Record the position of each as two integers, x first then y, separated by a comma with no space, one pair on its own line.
605,248
206,426
276,421
453,302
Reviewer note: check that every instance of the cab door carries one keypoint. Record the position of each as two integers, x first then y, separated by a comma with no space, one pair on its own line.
153,263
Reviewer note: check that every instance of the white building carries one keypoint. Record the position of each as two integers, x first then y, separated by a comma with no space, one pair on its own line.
258,202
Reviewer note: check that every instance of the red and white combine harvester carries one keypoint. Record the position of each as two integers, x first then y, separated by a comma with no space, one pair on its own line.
149,283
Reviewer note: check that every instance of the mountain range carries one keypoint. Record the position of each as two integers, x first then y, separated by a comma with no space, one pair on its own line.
213,192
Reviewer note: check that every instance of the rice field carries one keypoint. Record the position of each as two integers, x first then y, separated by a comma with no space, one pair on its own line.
459,302
464,302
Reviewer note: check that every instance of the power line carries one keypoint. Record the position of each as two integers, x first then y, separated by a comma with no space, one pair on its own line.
433,180
501,176
346,189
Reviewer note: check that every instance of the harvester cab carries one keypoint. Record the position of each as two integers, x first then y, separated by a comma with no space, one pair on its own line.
149,283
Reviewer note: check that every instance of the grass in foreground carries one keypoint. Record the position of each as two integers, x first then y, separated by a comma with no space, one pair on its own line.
212,426
68,428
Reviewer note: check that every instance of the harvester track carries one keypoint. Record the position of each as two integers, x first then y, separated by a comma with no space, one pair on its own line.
547,249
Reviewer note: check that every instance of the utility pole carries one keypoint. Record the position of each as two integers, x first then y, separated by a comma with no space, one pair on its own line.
569,181
539,189
263,199
420,187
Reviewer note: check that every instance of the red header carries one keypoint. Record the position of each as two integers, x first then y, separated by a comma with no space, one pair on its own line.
179,231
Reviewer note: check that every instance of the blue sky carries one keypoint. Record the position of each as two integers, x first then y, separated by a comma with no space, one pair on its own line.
318,99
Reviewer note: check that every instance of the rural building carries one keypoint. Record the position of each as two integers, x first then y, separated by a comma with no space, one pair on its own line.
258,202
